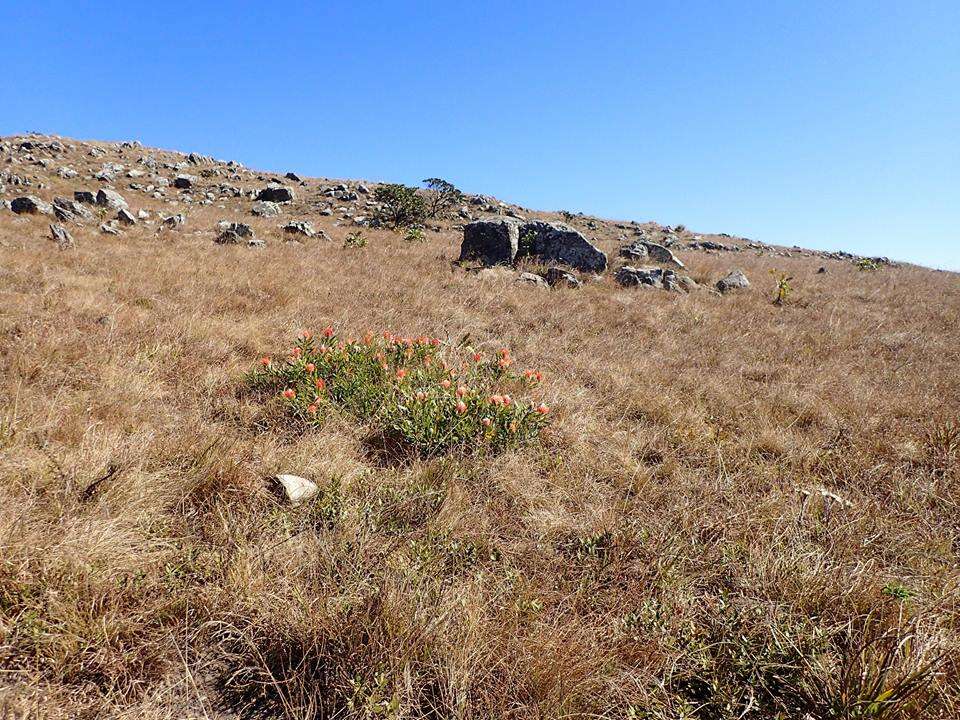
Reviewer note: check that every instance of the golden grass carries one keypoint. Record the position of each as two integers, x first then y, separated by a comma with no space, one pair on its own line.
657,557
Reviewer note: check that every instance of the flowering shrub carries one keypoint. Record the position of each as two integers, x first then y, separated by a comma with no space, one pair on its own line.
432,397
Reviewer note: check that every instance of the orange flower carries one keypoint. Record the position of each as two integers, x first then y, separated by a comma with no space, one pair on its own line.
320,384
341,345
461,391
538,375
445,384
328,331
265,361
496,399
477,357
289,394
435,342
421,395
296,352
504,362
507,400
387,335
368,338
312,409
461,407
543,409
513,427
485,422
401,374
504,353
305,334
310,367
427,361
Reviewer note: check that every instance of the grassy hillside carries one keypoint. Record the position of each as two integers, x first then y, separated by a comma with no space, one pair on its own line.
736,510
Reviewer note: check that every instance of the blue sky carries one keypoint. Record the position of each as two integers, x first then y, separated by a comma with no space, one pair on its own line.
824,124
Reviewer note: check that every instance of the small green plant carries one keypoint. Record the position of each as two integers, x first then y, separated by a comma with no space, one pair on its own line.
415,234
355,240
426,395
897,591
441,196
783,288
867,264
400,205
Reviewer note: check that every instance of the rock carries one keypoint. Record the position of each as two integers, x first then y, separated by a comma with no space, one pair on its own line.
234,233
109,229
277,193
492,241
296,488
85,196
628,276
556,276
70,211
822,271
125,217
142,214
734,281
106,197
184,182
61,236
265,209
557,242
661,254
363,189
30,205
532,279
292,176
635,251
300,227
174,221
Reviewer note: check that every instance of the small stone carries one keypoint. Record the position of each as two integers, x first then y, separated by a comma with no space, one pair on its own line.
736,280
265,208
61,236
296,488
533,279
125,217
107,197
558,277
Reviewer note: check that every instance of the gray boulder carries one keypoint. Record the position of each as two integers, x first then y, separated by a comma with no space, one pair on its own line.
558,277
109,198
265,209
736,280
277,193
30,205
635,251
61,236
300,227
492,241
184,182
234,233
661,254
85,196
70,210
532,279
125,217
557,242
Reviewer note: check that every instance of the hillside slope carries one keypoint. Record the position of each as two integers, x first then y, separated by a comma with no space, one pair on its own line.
738,509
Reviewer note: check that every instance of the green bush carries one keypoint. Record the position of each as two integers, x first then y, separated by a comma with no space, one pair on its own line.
441,196
400,205
430,397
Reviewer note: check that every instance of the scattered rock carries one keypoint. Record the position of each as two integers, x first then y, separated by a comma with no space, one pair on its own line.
734,281
85,196
125,217
234,233
265,209
174,221
30,205
109,198
277,193
556,276
635,251
184,182
296,488
300,227
292,176
70,210
661,254
61,236
532,279
628,276
492,241
109,229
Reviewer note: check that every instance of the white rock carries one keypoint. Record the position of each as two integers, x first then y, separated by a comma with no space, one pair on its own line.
298,489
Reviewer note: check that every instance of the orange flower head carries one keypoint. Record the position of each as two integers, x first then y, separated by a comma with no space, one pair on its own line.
265,361
435,342
504,362
461,407
320,384
324,349
296,352
477,357
310,367
305,334
485,422
289,393
312,409
462,390
496,399
543,409
387,335
504,352
368,338
421,395
328,331
445,384
507,400
401,374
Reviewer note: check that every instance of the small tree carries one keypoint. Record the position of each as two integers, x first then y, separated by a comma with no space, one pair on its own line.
400,205
441,196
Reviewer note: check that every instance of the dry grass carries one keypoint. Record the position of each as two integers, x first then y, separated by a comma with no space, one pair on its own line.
667,553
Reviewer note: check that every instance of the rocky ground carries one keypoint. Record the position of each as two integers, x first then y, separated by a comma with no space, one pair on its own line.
745,504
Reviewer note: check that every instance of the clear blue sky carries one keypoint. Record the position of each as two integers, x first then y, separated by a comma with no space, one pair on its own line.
823,124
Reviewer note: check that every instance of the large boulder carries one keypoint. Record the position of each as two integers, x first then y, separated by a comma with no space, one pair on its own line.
635,251
556,242
736,280
275,192
265,208
70,210
629,276
30,205
109,198
85,196
492,241
184,182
